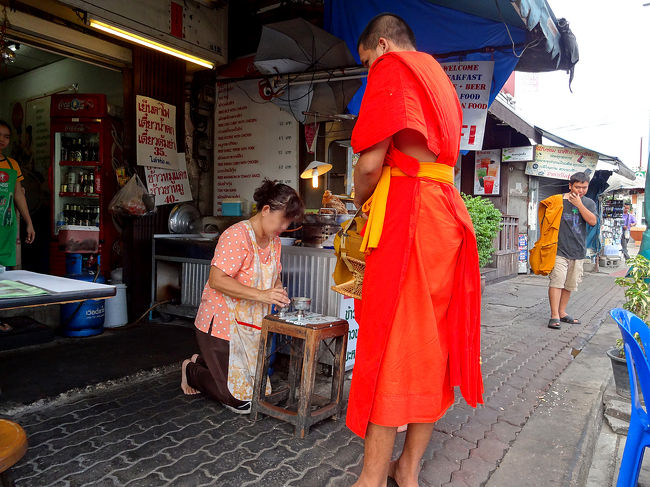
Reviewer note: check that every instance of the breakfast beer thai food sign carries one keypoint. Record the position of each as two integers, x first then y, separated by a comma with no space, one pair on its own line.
473,81
561,162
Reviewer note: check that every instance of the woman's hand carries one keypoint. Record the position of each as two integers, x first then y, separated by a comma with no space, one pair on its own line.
276,296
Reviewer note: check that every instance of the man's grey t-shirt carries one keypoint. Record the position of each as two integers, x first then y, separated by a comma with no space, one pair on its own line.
573,230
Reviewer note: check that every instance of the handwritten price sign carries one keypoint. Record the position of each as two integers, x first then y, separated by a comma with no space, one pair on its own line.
156,133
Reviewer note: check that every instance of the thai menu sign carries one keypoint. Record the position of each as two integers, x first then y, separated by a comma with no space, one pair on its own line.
169,185
156,133
255,139
561,162
472,80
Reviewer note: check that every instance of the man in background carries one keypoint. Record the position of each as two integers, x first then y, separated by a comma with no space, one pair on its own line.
578,211
628,222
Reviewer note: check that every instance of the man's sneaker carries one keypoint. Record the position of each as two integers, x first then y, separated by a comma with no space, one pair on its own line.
243,409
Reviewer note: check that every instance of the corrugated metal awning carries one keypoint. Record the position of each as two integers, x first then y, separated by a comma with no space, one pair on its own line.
620,168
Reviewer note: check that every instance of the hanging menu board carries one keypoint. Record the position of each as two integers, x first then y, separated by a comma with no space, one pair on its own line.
473,81
255,139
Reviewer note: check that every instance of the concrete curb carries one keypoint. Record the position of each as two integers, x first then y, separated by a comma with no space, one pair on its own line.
14,409
557,444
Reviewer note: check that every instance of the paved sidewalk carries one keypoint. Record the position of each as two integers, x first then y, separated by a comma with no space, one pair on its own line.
148,433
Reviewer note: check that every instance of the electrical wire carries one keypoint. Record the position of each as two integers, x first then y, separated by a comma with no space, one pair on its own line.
533,43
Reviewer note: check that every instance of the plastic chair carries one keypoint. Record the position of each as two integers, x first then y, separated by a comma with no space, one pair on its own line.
628,319
638,436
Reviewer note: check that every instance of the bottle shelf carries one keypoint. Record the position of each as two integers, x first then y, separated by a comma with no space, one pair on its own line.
79,195
80,163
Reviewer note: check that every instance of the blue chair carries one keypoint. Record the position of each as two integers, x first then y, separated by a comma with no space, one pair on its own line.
638,435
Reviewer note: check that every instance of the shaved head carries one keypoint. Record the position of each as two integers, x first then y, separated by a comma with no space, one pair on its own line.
388,26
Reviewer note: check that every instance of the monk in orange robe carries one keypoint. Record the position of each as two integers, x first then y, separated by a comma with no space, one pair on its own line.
419,317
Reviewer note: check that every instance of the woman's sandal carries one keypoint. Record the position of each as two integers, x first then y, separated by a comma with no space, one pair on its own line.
554,323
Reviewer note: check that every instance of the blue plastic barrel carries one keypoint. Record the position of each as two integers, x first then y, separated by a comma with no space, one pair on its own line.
73,264
89,319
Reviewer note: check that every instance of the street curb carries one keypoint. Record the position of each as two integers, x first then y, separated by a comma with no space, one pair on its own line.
557,444
14,409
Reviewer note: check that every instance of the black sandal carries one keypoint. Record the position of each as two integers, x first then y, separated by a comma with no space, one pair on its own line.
554,323
569,319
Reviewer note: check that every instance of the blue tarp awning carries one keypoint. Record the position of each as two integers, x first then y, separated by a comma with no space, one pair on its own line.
441,30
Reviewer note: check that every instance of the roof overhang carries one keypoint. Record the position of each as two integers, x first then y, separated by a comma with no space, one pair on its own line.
615,162
543,47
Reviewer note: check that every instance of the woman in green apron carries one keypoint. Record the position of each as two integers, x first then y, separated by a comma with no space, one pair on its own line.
244,282
11,196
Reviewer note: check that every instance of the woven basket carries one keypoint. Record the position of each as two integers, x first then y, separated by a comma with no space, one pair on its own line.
353,287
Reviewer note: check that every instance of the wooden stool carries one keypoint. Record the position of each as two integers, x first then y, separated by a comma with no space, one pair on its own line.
300,415
13,445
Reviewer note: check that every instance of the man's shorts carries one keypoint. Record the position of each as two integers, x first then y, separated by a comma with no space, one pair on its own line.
566,274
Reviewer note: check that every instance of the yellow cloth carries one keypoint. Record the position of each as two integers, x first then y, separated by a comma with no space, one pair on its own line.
542,255
375,207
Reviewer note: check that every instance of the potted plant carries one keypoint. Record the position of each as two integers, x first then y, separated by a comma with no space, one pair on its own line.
487,223
637,300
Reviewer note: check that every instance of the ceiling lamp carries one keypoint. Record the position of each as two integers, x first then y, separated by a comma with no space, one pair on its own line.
315,169
143,41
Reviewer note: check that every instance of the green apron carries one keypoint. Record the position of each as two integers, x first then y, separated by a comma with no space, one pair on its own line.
8,220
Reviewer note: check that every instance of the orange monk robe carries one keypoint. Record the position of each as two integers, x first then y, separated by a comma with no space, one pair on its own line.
419,319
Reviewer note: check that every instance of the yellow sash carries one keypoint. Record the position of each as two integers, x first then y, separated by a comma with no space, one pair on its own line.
375,207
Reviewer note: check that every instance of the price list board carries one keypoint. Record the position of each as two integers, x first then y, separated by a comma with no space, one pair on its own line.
255,139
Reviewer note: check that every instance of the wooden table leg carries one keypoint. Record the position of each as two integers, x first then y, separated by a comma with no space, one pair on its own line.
307,384
296,354
338,374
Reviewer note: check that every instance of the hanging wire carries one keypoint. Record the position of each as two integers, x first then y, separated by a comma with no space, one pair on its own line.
533,43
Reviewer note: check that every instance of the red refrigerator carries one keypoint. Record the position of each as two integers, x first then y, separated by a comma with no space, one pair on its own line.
86,145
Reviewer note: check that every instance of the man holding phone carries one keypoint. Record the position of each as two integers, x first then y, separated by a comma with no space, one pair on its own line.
578,211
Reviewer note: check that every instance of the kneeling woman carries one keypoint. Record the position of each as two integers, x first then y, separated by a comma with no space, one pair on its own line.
244,282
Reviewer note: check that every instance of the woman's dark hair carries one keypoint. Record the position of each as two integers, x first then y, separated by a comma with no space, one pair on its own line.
5,124
279,197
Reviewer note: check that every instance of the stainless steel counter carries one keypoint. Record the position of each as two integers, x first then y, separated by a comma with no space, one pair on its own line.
181,265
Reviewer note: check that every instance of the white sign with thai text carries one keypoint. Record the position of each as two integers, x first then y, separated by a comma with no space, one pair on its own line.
518,154
346,312
473,81
561,162
169,185
156,133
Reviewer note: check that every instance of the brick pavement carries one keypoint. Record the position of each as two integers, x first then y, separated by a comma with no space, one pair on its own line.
148,433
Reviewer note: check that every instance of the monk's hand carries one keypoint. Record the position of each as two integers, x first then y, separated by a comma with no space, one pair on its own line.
276,296
574,199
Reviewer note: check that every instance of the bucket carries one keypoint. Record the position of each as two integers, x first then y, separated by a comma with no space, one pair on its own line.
73,264
89,319
116,314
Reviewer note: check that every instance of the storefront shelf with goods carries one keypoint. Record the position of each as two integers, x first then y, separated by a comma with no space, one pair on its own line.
79,195
80,163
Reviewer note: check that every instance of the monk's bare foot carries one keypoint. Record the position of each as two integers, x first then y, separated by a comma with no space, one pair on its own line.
194,358
399,477
403,428
185,387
